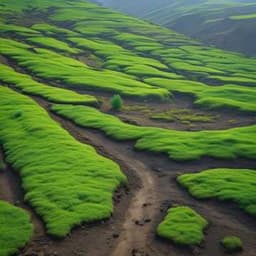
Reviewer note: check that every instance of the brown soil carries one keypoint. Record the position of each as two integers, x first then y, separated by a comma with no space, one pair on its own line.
140,207
151,190
222,119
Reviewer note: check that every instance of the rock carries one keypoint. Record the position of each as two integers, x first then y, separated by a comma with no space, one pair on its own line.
115,235
139,222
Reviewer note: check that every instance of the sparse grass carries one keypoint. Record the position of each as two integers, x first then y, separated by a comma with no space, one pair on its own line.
236,185
183,115
232,244
15,229
60,176
179,145
183,226
30,86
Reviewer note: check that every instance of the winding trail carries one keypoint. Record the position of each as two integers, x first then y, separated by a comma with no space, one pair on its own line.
146,199
153,187
142,209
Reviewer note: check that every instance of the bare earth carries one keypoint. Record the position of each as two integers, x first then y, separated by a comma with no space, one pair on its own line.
140,207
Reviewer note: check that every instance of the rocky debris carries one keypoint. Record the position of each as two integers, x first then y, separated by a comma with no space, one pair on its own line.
115,235
142,222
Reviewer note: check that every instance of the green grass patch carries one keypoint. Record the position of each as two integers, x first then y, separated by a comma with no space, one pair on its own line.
243,17
65,181
232,243
53,43
15,229
50,29
183,226
230,96
179,145
20,30
50,65
30,86
236,185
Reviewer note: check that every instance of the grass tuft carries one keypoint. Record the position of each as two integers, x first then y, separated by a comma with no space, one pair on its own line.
232,244
183,226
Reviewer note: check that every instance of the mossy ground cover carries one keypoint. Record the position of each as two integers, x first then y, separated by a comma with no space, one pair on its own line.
236,185
243,17
183,115
230,96
52,43
183,226
28,85
15,229
50,29
179,145
131,47
50,65
232,244
65,181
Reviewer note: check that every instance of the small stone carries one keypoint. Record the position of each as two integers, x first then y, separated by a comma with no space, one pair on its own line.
115,235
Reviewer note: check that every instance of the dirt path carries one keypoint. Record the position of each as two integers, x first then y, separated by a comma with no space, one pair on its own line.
152,188
11,191
146,200
141,211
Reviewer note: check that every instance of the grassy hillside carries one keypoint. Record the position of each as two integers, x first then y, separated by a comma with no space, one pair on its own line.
228,24
63,55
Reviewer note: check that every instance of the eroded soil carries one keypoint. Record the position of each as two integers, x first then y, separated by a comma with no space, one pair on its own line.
139,208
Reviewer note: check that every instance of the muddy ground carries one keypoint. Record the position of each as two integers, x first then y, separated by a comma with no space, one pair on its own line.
140,207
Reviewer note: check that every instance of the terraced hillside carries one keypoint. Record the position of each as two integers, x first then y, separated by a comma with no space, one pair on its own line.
165,167
228,24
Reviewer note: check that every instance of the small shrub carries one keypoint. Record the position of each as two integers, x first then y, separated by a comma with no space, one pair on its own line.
116,102
232,243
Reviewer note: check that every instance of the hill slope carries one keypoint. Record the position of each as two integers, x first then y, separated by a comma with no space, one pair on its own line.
70,165
228,24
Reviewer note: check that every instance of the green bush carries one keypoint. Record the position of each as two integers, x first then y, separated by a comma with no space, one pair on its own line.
183,226
116,102
232,243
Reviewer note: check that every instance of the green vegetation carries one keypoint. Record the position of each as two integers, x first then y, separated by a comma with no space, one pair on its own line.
183,226
225,23
52,43
116,102
15,229
179,145
60,176
243,17
52,30
232,243
231,96
50,65
183,115
237,185
28,85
